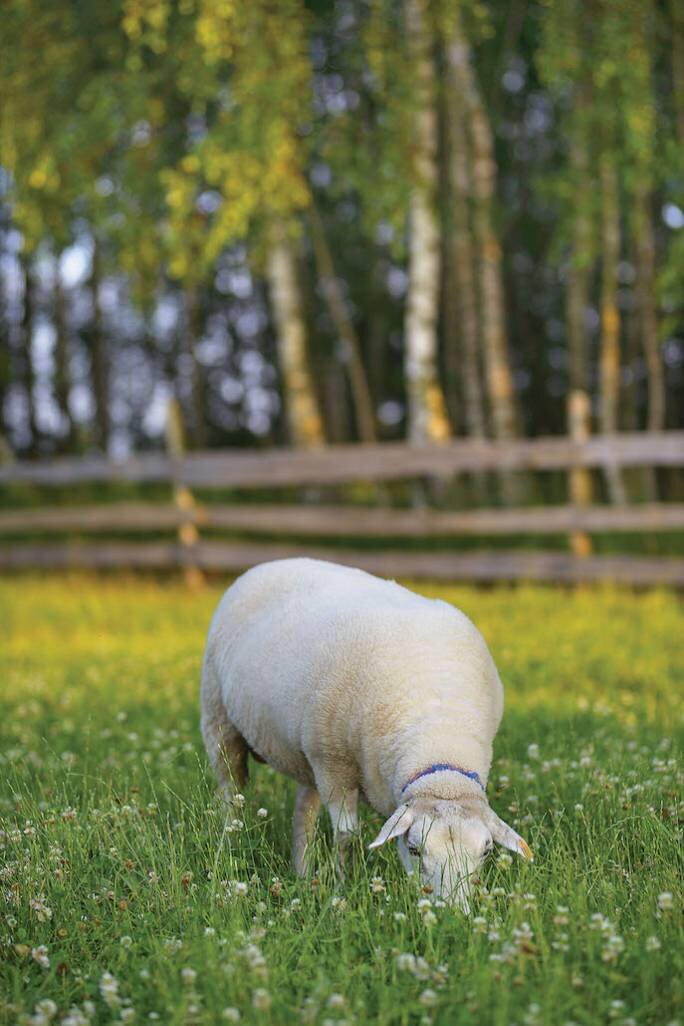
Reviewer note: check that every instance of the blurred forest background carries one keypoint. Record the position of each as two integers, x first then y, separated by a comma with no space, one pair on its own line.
338,220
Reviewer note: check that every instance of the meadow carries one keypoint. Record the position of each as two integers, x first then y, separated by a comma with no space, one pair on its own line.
128,897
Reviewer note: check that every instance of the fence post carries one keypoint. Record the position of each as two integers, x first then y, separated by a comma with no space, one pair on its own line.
579,478
182,496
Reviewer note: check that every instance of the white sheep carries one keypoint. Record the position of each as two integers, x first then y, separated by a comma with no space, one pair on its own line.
359,688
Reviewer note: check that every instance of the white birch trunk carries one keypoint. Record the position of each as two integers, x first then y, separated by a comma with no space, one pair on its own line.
427,414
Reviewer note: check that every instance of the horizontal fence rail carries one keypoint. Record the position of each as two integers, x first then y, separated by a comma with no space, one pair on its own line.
343,463
338,465
347,520
471,566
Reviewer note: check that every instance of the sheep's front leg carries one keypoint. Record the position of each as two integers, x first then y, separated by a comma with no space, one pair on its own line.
343,810
307,806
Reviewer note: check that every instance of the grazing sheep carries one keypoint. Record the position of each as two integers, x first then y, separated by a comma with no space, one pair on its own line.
357,687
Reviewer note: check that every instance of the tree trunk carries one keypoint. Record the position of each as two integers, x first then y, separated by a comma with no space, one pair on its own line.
5,375
192,334
610,317
498,375
62,380
26,356
498,372
353,362
427,414
99,361
577,293
648,311
304,417
579,266
678,65
461,250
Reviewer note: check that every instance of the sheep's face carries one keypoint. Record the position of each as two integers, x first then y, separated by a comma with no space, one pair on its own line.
449,847
448,841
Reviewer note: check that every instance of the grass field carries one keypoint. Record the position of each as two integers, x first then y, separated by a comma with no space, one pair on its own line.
126,897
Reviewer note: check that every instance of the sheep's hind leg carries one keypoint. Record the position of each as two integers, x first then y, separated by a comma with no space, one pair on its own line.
307,807
226,747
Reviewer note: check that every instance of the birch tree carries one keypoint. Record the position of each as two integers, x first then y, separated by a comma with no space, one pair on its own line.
427,415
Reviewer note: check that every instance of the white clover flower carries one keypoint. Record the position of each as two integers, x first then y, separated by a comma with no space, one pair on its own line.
336,1001
47,1008
504,860
615,945
377,885
126,941
43,913
240,888
533,751
560,943
399,917
40,955
262,813
261,1000
109,989
428,998
238,800
406,962
75,1017
665,901
338,904
188,976
127,1014
653,944
308,1011
231,1014
561,916
599,922
523,932
209,931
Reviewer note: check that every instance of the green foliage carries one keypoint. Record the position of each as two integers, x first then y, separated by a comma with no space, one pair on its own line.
116,855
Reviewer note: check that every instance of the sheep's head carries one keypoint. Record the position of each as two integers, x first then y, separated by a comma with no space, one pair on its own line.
449,840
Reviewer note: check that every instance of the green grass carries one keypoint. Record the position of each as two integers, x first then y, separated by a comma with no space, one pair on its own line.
115,855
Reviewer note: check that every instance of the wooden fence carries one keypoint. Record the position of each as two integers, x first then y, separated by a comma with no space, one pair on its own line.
336,466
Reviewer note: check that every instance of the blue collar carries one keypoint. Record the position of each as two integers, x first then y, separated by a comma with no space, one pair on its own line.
438,767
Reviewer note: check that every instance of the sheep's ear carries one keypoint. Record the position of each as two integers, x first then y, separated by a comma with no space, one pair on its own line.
506,836
398,823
